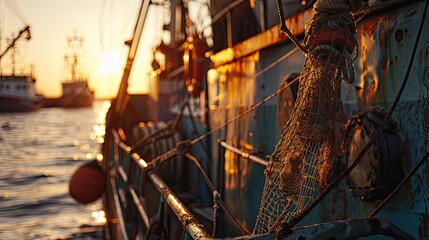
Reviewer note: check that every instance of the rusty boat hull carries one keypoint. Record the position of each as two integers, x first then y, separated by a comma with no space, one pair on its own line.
194,166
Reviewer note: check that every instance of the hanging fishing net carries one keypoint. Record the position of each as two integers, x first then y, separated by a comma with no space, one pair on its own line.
313,136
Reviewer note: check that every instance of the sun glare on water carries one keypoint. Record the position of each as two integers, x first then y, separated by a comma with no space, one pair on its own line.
110,63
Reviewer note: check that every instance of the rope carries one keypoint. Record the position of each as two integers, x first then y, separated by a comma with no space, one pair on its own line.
286,226
15,8
284,29
412,172
197,133
324,10
216,196
255,106
172,152
170,126
251,109
275,63
312,138
217,200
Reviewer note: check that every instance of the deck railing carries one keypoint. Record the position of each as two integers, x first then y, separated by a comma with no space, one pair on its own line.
118,175
244,155
121,185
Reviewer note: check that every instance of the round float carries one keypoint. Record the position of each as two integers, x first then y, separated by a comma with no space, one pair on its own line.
87,183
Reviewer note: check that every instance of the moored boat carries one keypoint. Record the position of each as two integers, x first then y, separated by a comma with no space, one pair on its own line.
76,94
18,94
18,91
76,90
191,161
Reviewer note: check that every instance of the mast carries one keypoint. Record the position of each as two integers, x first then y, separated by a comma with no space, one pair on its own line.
13,62
72,58
25,30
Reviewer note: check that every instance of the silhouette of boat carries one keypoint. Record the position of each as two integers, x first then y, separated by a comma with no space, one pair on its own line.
18,92
76,90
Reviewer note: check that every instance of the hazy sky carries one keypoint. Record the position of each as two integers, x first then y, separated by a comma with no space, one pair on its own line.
104,25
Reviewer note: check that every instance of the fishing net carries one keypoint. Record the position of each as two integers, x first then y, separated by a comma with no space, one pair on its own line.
313,136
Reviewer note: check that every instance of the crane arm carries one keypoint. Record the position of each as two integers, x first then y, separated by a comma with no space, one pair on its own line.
12,43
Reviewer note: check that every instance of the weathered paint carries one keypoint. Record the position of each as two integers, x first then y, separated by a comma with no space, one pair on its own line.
385,50
386,40
385,43
263,40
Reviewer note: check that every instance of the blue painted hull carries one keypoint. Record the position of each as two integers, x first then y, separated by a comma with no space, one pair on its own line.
386,38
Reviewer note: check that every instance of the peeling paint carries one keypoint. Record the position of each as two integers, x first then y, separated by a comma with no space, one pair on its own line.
385,41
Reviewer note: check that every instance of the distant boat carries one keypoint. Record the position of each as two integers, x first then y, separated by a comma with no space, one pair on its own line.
76,91
18,94
77,94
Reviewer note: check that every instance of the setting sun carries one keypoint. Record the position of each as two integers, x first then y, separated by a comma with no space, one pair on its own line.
110,63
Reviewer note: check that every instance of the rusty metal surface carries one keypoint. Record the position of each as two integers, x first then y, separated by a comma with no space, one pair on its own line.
385,39
179,209
234,89
265,39
346,229
385,43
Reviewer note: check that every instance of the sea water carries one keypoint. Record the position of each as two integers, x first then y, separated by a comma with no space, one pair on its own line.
39,152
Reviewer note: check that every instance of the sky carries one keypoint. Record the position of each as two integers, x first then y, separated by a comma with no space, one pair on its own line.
104,25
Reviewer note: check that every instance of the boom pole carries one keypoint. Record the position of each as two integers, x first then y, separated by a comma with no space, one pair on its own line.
133,44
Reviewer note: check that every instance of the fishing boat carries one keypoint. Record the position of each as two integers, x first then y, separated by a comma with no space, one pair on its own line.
188,160
18,91
76,90
18,94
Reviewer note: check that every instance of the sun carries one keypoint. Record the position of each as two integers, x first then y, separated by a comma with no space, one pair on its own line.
110,63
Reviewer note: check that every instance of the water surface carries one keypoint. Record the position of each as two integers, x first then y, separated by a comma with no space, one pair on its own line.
39,151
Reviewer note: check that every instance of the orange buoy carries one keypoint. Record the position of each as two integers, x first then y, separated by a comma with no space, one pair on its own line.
88,183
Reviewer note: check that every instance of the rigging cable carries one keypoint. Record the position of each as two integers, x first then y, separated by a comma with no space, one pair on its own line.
284,29
285,226
217,200
15,8
412,172
170,153
255,106
100,23
197,133
118,32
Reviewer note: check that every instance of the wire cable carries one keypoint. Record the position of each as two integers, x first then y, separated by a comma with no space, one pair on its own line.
286,226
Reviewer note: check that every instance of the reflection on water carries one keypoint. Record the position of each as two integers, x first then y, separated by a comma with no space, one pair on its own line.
39,151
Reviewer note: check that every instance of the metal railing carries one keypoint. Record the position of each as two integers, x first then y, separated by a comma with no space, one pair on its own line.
179,209
186,218
122,154
245,155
